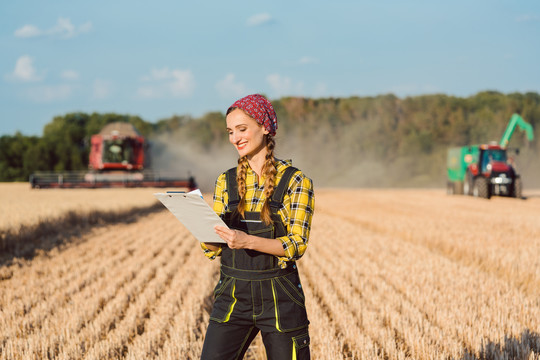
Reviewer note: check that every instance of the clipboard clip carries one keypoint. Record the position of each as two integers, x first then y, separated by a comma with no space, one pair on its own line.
197,191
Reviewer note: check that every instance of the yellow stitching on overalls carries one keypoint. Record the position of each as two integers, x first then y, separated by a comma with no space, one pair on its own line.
227,317
294,287
275,306
252,301
261,297
220,290
289,294
254,271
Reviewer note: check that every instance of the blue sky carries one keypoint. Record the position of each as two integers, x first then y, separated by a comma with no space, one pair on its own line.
159,58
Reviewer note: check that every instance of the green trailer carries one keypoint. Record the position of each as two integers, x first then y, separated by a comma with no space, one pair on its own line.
457,162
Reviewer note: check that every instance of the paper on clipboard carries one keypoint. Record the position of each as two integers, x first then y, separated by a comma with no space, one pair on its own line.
194,213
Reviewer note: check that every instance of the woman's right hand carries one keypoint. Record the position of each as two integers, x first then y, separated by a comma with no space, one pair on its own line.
235,239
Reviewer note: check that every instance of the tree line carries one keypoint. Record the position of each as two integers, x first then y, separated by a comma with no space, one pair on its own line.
384,128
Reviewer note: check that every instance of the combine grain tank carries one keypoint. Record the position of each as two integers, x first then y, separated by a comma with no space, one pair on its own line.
117,159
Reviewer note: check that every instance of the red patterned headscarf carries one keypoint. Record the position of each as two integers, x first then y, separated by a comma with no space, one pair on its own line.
260,109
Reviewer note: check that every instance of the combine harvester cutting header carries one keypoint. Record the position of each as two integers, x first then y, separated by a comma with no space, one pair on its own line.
485,170
117,159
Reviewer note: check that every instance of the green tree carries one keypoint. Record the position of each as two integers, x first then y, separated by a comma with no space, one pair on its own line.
12,151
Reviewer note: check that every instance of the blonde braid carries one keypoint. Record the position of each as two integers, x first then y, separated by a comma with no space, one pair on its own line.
269,172
241,173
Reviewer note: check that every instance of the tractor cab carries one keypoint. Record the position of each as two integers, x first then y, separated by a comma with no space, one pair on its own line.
493,158
493,175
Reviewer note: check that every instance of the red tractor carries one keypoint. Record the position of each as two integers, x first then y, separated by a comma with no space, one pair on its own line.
485,170
491,174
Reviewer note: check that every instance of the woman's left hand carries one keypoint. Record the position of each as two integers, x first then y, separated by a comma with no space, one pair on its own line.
236,239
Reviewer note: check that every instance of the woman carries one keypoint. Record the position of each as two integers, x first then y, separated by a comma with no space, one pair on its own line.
268,206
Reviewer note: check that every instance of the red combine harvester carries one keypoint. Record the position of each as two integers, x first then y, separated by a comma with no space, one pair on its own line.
117,159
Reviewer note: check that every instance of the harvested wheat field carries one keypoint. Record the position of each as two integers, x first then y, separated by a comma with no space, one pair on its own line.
23,206
36,220
388,274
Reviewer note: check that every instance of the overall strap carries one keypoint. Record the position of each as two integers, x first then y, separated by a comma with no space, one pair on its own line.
277,196
232,188
281,188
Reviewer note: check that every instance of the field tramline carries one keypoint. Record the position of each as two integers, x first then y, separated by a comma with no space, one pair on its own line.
388,274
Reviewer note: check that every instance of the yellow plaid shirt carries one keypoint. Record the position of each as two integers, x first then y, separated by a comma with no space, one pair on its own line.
296,212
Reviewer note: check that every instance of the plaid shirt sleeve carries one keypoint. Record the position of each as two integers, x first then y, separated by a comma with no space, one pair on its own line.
220,201
299,202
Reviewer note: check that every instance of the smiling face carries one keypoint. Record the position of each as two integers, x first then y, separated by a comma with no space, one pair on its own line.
246,134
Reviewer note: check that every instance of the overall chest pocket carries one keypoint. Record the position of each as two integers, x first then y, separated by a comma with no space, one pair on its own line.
244,258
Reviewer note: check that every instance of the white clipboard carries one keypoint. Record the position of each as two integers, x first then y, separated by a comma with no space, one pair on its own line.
194,213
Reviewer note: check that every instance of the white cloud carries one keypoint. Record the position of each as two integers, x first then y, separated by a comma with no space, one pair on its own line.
229,87
528,18
50,93
259,19
283,86
167,82
149,92
182,84
86,27
307,60
158,74
24,70
63,28
27,31
69,75
102,89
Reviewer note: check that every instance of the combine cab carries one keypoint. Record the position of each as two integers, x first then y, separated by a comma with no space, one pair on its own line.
117,159
117,147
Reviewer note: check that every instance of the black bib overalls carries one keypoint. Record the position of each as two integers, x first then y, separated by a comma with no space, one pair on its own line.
254,294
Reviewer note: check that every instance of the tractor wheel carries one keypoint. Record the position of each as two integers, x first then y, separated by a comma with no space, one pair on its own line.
481,188
517,188
468,184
